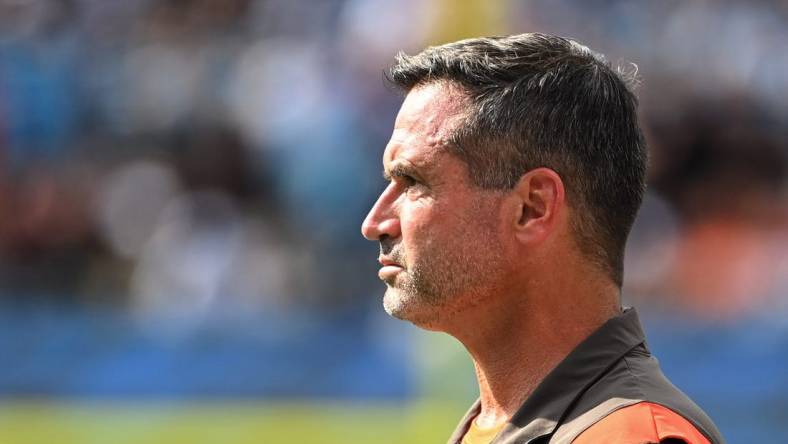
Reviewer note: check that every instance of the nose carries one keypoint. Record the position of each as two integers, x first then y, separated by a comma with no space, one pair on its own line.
382,219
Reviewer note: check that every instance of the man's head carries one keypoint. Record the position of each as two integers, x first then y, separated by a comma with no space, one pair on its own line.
510,131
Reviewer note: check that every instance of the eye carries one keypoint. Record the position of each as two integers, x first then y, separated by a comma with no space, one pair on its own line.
404,181
412,187
407,181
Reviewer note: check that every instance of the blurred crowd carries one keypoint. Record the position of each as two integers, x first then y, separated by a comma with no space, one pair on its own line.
195,156
188,159
185,156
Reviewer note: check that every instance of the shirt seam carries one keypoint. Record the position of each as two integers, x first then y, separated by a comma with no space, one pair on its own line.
653,421
650,403
631,373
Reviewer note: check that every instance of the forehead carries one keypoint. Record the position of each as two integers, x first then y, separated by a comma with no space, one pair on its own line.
427,119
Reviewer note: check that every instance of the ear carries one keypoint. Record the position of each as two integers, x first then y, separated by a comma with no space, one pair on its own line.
540,198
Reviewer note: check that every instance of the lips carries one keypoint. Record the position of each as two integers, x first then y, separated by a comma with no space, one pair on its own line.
386,262
389,269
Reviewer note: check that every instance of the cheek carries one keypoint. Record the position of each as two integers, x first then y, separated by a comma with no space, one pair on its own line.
423,228
442,228
417,218
477,230
416,222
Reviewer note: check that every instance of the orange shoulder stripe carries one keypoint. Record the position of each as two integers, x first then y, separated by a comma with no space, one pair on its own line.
643,422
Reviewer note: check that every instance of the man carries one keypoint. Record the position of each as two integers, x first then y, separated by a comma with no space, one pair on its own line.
515,170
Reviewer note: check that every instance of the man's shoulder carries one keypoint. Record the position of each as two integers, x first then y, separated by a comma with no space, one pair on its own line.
634,392
643,422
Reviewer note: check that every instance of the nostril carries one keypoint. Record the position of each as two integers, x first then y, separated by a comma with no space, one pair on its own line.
386,244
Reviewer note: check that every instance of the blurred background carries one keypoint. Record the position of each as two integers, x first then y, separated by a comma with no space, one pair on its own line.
182,184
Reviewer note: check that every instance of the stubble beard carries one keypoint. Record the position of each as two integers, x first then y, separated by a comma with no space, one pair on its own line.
412,291
441,283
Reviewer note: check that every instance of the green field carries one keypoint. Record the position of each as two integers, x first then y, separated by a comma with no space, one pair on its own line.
445,382
45,422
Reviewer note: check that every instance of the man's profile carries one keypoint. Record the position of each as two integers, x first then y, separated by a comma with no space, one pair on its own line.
516,168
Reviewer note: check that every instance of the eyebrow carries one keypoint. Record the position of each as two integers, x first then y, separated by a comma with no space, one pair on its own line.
400,170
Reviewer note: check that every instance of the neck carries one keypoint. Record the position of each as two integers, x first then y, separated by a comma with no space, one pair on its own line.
517,340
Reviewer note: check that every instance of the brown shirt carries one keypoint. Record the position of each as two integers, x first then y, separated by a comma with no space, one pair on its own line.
609,371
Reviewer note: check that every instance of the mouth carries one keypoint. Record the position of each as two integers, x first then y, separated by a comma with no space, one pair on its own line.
386,262
389,268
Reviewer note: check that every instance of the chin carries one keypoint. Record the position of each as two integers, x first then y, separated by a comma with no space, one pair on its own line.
409,308
395,305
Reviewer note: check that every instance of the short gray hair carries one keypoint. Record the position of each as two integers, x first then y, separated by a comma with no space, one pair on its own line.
544,101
